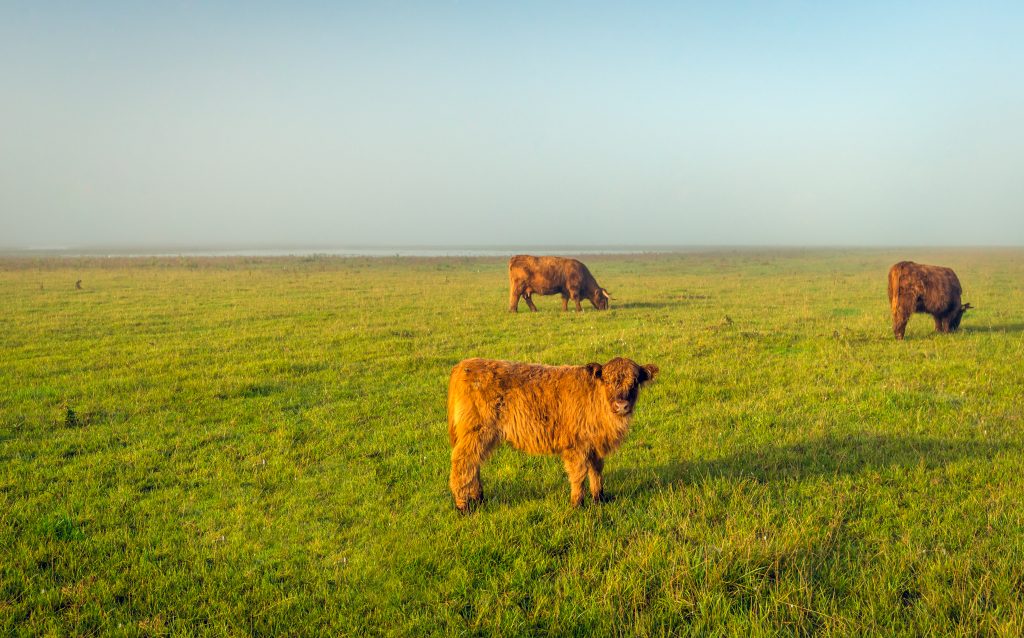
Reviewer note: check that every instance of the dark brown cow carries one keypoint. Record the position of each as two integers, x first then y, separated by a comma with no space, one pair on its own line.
580,413
934,290
550,276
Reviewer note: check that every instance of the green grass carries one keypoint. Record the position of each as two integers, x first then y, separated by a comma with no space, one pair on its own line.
258,447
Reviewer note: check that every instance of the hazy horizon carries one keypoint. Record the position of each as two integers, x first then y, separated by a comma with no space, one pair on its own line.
529,124
467,250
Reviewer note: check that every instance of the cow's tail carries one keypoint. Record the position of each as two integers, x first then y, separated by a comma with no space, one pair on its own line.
894,287
456,399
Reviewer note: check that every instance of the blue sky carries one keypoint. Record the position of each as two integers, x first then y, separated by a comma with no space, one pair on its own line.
775,123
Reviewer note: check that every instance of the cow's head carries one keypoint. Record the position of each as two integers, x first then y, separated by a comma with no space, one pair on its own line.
600,298
954,321
621,380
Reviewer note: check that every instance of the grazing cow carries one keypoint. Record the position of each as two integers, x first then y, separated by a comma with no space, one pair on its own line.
930,289
581,413
552,275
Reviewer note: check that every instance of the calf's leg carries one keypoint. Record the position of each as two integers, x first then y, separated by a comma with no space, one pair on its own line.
595,465
469,452
576,468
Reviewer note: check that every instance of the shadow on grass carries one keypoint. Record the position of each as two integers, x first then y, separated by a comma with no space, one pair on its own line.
833,456
629,305
822,457
1010,327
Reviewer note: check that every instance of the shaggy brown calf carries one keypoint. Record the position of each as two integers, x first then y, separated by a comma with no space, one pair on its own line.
581,413
920,288
549,276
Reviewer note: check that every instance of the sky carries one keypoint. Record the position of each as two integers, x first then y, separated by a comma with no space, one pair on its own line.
511,124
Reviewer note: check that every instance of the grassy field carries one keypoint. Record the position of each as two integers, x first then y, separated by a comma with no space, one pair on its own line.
258,447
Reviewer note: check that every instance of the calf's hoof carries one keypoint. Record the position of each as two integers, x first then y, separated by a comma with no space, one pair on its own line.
469,506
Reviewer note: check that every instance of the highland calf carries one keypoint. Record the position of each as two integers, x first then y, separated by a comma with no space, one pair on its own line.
550,276
580,413
930,289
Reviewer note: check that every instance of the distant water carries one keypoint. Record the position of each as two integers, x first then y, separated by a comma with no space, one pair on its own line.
456,251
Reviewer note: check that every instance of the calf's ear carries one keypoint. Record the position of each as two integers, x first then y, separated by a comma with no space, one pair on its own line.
648,372
594,369
966,306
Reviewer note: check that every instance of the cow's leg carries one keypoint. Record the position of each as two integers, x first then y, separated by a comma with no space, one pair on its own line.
528,296
595,465
576,467
565,302
948,318
900,316
513,298
469,452
575,296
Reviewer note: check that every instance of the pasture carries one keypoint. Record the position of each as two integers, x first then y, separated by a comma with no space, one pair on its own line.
236,446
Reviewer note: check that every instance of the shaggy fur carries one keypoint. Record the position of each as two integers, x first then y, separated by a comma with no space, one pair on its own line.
553,276
934,290
580,413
